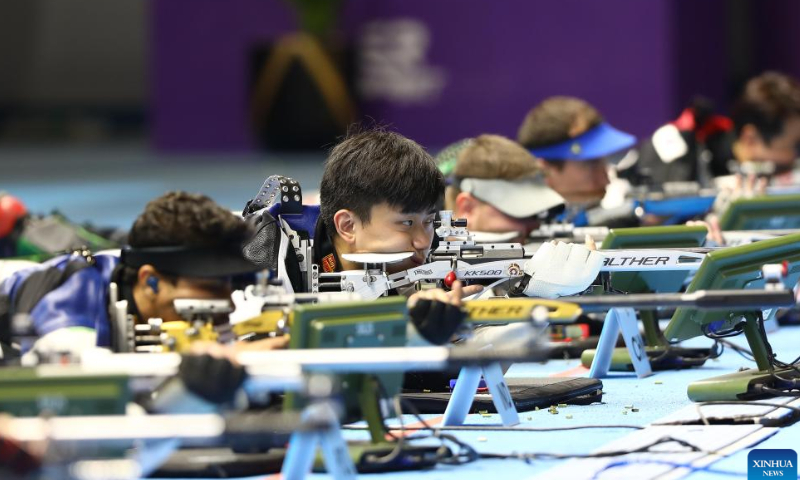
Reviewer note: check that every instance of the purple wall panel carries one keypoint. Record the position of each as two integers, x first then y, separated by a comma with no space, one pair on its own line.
700,53
200,55
776,36
499,60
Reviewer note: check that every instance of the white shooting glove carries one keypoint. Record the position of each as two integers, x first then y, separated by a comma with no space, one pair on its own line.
561,269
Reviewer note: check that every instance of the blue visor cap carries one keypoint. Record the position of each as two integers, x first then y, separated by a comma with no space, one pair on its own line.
600,141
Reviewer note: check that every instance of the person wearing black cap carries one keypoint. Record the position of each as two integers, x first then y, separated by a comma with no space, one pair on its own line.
761,137
695,147
182,246
498,187
574,142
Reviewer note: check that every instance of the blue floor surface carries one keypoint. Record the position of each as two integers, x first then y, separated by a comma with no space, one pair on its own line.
654,401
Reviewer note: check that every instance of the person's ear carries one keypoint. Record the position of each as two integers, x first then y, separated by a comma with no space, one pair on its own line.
545,167
345,222
144,295
147,279
465,204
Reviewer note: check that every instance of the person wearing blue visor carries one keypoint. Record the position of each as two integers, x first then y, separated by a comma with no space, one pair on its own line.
574,143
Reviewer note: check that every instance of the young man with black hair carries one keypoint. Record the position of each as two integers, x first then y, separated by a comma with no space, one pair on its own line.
379,193
181,246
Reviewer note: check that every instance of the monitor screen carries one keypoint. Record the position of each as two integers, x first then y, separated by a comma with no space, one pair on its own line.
377,323
762,213
733,268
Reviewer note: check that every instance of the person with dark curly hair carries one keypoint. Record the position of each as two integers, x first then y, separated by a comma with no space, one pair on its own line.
182,246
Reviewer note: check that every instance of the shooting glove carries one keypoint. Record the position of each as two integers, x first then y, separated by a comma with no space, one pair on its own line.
560,269
214,379
436,321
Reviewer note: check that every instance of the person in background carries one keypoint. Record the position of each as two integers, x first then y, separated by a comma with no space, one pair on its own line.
760,138
499,187
574,144
182,246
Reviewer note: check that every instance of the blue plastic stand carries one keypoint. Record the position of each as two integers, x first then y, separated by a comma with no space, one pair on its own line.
620,319
464,394
303,446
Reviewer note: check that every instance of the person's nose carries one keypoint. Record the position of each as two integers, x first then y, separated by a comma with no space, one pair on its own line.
421,238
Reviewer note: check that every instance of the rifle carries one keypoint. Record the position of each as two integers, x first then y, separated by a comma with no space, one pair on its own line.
459,257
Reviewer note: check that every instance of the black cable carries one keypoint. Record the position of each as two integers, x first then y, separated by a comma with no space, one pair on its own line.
793,384
790,383
528,457
667,350
399,442
773,361
792,366
384,396
714,352
745,353
605,281
755,403
781,393
732,332
466,454
796,360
